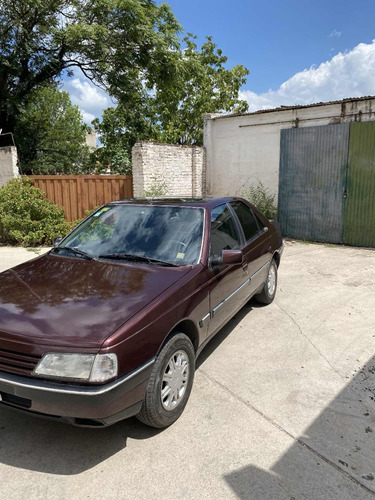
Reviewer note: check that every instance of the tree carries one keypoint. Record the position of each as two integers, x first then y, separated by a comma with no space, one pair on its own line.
113,158
203,86
173,111
115,43
50,133
162,86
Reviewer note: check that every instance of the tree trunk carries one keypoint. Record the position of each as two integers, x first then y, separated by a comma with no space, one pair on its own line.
7,122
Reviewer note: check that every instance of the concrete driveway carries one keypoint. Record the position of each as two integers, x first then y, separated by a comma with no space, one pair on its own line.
282,406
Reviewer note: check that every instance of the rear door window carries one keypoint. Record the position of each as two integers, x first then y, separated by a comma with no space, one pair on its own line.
247,220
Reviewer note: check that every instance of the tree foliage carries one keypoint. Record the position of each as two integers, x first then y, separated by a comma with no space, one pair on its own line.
131,48
173,112
204,85
115,43
50,134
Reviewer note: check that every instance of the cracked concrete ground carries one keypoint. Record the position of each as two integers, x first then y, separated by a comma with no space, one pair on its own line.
283,405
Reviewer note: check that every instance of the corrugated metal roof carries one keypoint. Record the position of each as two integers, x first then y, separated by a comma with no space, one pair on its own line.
296,106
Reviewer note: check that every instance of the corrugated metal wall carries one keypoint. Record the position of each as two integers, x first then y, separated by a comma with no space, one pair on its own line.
313,163
327,183
359,214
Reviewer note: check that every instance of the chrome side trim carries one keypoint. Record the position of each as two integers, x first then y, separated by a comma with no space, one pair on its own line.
48,386
205,318
230,296
261,269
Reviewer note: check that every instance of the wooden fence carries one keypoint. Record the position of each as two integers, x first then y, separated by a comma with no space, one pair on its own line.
77,193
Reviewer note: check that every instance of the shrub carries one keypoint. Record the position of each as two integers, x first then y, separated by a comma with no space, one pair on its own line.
27,217
260,196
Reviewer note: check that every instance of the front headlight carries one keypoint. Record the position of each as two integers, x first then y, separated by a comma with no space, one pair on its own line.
76,366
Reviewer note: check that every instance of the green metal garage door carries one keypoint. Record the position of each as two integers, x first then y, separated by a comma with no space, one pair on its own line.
359,206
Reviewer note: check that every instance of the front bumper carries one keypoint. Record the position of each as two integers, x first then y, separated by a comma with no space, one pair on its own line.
80,405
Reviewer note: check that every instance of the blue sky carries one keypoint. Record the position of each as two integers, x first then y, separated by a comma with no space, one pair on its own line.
297,51
275,39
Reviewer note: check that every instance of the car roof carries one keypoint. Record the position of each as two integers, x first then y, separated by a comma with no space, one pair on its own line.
191,202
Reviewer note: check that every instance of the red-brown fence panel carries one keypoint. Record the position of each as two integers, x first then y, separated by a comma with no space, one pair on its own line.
77,193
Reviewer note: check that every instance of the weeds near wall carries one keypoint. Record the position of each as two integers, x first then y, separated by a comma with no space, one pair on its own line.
260,196
158,188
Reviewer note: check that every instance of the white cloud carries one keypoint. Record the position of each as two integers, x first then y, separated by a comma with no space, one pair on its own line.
336,34
90,99
87,117
349,74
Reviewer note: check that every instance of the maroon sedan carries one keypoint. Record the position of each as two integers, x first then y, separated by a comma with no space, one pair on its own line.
109,323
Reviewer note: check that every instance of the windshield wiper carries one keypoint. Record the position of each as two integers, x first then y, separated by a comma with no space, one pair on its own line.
76,251
135,258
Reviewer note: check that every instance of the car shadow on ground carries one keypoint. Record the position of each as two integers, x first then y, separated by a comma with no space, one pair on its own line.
37,444
333,458
215,342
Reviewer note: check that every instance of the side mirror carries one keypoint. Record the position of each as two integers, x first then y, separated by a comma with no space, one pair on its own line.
56,241
228,257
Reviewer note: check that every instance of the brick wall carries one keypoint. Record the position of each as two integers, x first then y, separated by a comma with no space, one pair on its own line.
8,164
168,170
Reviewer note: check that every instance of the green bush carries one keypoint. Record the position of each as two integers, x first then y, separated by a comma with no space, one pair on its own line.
260,197
27,217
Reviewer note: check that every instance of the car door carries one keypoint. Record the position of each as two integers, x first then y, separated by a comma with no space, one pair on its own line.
229,284
257,249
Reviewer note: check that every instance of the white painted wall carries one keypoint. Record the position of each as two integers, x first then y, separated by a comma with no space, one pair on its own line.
242,149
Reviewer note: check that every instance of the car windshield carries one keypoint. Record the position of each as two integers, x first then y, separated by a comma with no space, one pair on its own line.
152,234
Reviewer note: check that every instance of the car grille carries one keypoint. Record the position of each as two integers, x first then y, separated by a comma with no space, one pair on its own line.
17,362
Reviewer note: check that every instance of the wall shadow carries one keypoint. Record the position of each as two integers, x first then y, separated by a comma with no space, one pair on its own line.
334,458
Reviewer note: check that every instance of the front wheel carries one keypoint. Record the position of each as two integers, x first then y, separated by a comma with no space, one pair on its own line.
170,383
268,293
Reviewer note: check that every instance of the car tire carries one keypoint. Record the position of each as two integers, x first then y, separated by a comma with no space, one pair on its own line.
268,293
170,383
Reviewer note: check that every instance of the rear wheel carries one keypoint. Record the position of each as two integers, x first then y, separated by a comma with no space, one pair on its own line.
268,293
170,383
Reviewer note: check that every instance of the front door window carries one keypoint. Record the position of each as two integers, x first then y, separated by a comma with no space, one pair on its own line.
224,235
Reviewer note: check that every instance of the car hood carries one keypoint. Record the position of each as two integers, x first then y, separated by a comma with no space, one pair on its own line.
63,301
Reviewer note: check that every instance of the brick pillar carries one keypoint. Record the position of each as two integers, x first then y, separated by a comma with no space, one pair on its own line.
8,164
167,170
